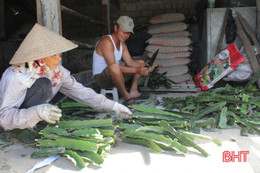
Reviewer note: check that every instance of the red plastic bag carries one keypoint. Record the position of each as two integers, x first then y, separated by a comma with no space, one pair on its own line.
223,63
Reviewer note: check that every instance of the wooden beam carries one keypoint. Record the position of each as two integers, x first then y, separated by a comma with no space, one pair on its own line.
80,16
84,45
48,15
258,19
2,19
248,49
2,63
222,32
248,30
59,14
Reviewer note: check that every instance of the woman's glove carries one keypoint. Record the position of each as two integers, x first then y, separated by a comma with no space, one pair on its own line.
49,113
121,111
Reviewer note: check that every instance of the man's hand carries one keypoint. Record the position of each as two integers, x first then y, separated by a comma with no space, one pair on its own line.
49,113
151,68
121,111
144,70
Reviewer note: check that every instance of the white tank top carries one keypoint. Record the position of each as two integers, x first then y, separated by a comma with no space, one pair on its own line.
99,63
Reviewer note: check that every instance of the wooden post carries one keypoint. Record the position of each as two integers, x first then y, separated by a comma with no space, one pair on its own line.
49,15
2,19
249,31
258,19
106,15
222,32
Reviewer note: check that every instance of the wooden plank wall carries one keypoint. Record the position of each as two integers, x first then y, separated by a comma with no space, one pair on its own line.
2,19
106,16
1,59
2,35
258,20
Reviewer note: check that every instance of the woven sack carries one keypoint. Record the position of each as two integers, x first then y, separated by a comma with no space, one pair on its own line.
173,34
172,62
181,78
174,71
168,49
168,17
167,27
169,41
170,55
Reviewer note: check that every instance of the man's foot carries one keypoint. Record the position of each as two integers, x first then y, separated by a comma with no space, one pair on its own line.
143,96
134,94
129,102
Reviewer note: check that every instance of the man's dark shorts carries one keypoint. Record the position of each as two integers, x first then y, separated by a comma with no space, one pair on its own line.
103,80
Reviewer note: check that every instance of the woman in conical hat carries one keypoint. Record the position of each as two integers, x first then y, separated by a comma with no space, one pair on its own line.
35,77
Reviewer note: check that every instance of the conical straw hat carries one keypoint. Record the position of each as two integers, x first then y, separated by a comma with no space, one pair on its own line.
39,43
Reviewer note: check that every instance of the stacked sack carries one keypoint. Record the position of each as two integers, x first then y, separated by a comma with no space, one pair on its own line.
169,35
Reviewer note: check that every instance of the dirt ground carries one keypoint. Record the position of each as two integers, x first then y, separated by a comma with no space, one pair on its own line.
126,158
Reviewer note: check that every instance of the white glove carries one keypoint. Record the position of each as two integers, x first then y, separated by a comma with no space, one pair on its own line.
121,111
49,113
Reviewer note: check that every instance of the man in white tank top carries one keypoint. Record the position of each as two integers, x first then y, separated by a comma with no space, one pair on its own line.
106,68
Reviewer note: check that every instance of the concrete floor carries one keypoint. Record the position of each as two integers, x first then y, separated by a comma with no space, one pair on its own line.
128,158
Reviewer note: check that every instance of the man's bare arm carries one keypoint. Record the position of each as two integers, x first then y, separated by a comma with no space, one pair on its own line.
139,67
105,48
128,59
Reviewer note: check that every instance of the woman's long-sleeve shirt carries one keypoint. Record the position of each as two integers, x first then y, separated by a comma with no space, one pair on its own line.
12,95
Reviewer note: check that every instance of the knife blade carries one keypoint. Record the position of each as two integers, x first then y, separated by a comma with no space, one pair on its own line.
150,62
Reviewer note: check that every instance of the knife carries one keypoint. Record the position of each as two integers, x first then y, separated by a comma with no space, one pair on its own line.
149,64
